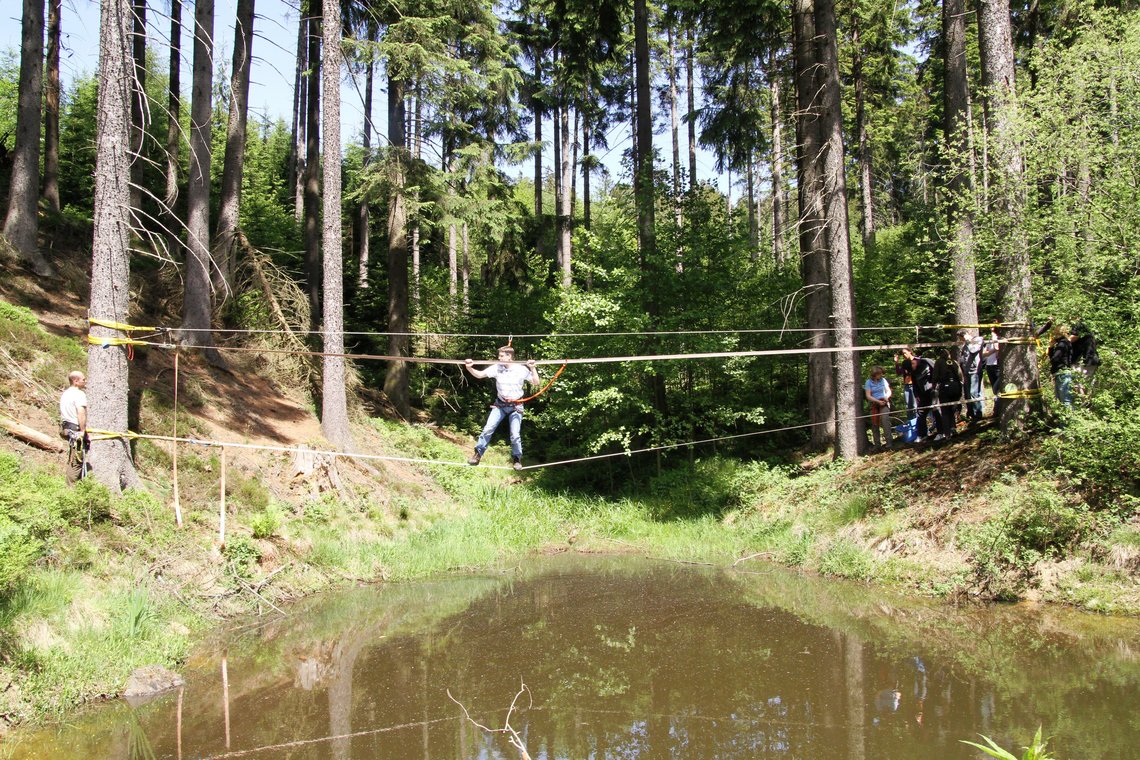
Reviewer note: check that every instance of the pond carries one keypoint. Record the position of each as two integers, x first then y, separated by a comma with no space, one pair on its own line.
626,658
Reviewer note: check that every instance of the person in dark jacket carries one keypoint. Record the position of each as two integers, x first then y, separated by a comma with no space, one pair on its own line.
1061,364
922,381
1086,357
903,370
948,382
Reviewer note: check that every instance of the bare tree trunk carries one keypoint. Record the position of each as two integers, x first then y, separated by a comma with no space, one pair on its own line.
847,398
417,146
294,151
396,380
674,124
1018,361
21,226
587,160
556,122
959,180
536,107
300,114
361,238
778,210
173,129
334,404
753,226
812,225
313,273
452,262
229,210
864,149
138,102
51,108
565,242
198,301
690,87
466,271
107,368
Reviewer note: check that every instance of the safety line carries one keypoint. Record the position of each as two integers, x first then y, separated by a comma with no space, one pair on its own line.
628,333
579,360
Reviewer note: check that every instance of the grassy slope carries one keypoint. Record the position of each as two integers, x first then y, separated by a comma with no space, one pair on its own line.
116,585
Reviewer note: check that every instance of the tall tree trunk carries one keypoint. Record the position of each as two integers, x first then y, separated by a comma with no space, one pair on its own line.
643,177
417,146
396,380
556,123
334,403
778,210
864,148
138,103
959,182
1008,193
847,385
312,206
198,300
301,113
452,261
361,237
536,107
812,226
674,125
293,161
107,368
229,210
173,130
753,226
51,108
587,160
691,117
466,271
564,198
21,225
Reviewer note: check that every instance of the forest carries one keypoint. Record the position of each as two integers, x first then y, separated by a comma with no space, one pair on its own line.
983,157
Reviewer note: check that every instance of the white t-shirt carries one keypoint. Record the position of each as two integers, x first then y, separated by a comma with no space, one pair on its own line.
72,400
509,379
992,359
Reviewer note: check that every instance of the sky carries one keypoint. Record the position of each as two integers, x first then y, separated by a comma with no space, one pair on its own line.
271,85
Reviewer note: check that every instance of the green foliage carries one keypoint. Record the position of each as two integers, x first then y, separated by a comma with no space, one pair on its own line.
846,559
1035,751
18,315
265,523
240,554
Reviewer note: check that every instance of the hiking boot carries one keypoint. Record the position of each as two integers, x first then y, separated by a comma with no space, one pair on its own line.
516,462
474,460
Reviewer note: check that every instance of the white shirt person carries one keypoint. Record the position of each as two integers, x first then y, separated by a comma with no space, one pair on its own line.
510,379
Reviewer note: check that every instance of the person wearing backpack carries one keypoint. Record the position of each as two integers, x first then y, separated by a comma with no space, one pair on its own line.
922,381
948,383
1061,365
1086,357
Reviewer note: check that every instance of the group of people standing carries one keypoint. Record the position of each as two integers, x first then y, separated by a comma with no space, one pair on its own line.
934,389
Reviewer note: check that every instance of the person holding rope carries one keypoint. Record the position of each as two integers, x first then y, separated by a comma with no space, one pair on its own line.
73,425
509,379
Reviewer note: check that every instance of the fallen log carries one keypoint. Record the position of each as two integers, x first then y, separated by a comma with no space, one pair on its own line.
31,435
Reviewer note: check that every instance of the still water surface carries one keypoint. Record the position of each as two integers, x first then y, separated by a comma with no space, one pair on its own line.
628,658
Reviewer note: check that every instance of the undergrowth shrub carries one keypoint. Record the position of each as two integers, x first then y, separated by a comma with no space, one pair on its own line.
240,553
266,522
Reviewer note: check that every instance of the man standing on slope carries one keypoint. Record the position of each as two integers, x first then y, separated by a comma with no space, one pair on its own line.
73,425
509,380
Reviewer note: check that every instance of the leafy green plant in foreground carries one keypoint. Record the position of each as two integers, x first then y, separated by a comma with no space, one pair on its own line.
1035,751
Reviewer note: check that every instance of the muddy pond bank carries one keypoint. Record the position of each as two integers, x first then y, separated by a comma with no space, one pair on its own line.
626,657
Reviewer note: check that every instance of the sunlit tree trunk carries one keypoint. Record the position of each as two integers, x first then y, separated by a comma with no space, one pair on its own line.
537,108
138,102
753,226
690,93
812,226
466,270
107,368
173,130
300,116
587,162
334,403
396,379
198,301
1008,198
21,225
452,261
864,141
959,183
778,211
51,108
229,210
847,398
417,146
565,243
361,238
312,201
674,128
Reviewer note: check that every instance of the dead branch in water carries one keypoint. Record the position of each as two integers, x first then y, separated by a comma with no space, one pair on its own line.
513,735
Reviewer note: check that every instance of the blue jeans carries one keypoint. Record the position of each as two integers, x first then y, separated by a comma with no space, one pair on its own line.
993,372
911,401
494,419
974,396
1063,386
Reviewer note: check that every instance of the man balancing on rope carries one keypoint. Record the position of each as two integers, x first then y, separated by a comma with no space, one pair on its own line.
509,379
